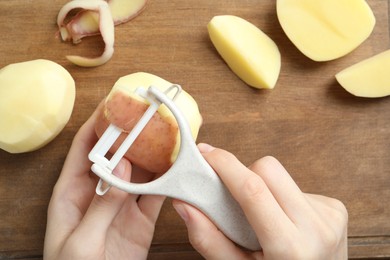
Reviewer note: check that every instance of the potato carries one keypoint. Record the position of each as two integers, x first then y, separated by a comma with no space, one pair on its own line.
249,52
326,29
157,146
368,78
36,102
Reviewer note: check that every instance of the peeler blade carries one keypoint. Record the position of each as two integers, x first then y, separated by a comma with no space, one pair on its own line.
106,141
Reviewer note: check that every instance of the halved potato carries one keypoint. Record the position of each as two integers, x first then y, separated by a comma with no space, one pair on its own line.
326,29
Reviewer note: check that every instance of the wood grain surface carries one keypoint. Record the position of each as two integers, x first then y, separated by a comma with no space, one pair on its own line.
331,142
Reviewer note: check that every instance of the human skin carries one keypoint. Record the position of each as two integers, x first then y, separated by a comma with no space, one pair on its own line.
289,224
83,225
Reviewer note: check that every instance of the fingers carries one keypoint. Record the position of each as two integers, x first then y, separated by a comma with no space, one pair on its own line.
204,236
74,189
258,203
103,209
74,181
150,206
77,162
283,188
286,221
330,225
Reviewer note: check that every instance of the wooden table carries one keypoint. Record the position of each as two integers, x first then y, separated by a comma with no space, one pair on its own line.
331,142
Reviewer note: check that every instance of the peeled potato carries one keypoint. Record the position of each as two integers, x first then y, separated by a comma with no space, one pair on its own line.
250,53
36,102
368,78
157,146
326,29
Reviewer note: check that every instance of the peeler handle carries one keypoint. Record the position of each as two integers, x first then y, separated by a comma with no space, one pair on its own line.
195,182
198,184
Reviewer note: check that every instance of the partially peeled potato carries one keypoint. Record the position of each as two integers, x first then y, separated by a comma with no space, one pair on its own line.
157,146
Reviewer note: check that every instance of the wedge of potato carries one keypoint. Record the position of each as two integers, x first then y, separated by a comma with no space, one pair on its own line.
249,52
368,78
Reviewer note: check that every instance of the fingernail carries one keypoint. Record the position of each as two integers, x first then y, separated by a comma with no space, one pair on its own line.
120,169
205,148
181,211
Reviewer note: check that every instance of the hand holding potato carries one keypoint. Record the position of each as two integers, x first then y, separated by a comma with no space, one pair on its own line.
83,225
289,224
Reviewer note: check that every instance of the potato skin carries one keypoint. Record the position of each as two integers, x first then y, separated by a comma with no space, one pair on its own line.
158,145
153,148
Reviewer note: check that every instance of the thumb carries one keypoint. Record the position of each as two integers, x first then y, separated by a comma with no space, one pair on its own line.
103,209
204,236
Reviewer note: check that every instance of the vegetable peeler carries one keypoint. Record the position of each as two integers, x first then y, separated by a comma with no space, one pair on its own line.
190,178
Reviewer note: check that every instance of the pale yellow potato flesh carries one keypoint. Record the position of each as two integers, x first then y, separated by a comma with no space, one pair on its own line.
124,10
326,29
249,52
36,102
368,78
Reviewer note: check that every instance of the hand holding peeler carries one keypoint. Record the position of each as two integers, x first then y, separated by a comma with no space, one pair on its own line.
190,178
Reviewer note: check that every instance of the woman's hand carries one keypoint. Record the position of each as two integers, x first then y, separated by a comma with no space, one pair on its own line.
289,224
83,225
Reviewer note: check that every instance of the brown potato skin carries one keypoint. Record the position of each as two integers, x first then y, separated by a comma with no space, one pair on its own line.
153,147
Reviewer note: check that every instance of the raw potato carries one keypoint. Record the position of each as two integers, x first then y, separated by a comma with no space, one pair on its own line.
157,146
326,29
368,78
36,102
250,53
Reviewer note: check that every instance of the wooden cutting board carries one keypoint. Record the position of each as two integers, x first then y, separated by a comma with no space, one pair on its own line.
331,142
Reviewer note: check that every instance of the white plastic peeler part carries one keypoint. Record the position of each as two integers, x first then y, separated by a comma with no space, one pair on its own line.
99,151
100,190
191,179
